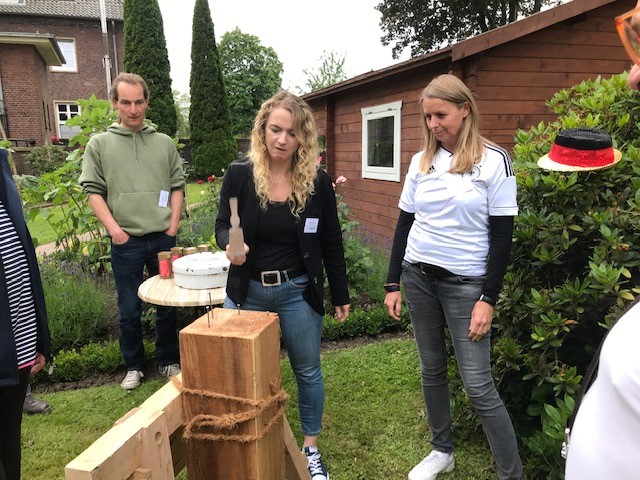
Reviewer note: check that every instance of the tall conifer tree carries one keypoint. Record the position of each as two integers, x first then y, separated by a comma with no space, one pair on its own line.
212,144
145,53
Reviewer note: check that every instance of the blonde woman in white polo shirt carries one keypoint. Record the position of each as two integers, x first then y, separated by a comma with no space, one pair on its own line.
451,248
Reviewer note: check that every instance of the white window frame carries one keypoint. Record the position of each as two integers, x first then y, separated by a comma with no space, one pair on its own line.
67,67
392,109
60,123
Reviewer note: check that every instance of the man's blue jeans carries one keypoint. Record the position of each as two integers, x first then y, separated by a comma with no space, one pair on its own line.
128,261
433,303
301,329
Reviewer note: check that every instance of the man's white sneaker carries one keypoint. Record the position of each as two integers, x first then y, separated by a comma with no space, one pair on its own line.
170,370
132,379
431,465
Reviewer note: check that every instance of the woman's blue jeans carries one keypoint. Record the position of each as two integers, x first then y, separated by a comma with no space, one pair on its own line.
301,328
128,262
433,303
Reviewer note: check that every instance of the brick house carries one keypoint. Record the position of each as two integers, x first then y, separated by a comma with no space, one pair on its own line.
51,54
371,122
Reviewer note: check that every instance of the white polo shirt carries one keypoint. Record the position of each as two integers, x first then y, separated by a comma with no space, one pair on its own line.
451,226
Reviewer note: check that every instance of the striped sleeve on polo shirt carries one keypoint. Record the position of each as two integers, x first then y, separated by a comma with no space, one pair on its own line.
19,294
506,159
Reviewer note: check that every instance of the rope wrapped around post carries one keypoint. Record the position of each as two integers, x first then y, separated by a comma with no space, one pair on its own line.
193,430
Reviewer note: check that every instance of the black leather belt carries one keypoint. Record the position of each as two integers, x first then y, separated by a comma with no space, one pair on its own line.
433,271
273,278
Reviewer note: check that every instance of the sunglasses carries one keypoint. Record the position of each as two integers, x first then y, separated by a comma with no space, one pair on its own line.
629,35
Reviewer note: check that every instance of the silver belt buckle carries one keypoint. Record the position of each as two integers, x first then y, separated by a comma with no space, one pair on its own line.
271,272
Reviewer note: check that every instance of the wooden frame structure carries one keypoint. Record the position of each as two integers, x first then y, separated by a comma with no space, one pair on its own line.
147,443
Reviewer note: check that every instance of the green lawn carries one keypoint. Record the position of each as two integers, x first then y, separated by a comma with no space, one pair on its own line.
374,426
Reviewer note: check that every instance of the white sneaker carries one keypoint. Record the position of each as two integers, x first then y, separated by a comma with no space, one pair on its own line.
132,379
431,465
170,370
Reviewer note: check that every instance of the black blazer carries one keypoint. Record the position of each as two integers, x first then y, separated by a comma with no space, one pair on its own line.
322,247
8,361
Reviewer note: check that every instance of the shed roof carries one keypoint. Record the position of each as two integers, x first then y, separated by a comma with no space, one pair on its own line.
64,8
471,46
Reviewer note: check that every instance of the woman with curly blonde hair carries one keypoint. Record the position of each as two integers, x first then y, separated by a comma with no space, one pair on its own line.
288,214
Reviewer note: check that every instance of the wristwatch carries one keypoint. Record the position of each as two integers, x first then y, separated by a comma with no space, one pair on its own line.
489,300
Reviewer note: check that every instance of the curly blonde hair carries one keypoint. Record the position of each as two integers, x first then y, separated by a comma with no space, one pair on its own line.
305,160
470,143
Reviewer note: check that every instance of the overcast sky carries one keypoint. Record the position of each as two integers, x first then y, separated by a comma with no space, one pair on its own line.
298,31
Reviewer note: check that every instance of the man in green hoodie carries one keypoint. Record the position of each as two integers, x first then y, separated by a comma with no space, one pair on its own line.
133,176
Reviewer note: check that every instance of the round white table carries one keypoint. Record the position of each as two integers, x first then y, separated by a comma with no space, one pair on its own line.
164,291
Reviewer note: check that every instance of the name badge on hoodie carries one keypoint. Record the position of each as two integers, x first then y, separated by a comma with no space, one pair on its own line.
163,201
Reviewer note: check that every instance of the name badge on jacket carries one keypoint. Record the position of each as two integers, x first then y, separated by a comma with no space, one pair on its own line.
311,225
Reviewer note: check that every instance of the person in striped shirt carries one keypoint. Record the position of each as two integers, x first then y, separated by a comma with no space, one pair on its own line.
24,331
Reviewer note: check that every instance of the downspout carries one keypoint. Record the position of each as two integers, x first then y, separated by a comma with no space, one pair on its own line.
106,61
115,48
4,121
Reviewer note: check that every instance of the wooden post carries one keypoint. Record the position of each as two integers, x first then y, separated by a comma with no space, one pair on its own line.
231,367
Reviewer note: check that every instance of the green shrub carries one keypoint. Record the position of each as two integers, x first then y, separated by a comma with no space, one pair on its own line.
102,357
574,266
78,306
46,158
96,357
69,367
370,322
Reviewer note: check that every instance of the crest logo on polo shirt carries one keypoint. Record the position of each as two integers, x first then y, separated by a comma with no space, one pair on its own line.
474,173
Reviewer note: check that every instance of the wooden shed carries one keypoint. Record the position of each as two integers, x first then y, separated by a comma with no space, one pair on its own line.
371,122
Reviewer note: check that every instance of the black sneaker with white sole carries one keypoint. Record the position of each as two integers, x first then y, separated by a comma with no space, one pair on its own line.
316,467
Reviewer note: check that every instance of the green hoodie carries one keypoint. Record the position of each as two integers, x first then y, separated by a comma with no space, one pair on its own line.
130,170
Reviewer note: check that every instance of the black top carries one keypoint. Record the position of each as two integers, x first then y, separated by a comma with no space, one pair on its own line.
276,239
318,232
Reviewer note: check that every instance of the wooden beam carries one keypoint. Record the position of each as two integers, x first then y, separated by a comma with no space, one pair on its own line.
118,453
295,461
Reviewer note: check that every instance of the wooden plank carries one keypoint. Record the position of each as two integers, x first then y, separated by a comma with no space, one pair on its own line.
295,460
235,355
117,453
156,447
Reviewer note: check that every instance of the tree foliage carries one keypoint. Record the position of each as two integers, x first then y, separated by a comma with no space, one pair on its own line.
212,143
252,74
331,71
182,101
145,53
425,26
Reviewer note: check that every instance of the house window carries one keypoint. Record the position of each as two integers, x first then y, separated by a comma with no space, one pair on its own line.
65,111
381,141
68,49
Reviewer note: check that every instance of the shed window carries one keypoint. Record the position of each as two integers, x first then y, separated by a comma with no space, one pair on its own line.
65,111
68,49
381,141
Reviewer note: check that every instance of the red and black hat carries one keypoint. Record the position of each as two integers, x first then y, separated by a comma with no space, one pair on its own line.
580,149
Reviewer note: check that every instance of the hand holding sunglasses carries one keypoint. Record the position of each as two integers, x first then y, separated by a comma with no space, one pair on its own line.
628,25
